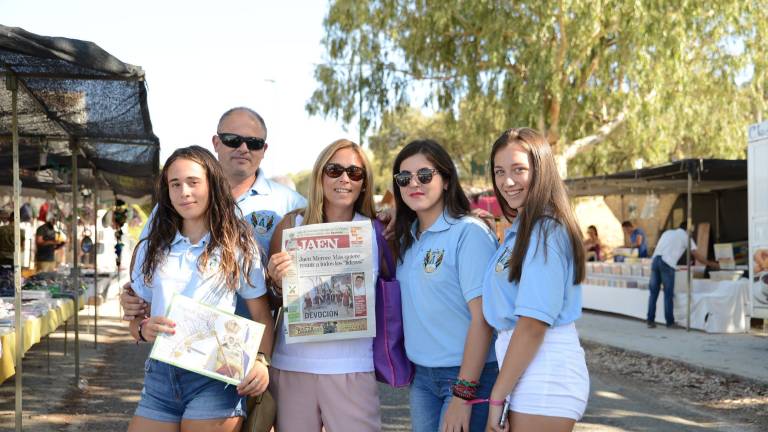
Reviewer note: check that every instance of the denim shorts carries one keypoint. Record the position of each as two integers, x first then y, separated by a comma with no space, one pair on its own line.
171,394
430,395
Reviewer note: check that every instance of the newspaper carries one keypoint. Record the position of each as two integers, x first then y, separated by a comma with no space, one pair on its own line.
329,293
209,341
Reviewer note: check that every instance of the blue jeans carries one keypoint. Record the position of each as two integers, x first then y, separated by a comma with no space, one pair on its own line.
171,394
661,274
431,393
241,309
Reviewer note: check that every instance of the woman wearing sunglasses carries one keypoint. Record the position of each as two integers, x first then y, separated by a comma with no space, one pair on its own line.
327,384
532,292
442,253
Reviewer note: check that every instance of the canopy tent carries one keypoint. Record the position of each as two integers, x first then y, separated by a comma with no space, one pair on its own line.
65,97
686,176
707,175
73,91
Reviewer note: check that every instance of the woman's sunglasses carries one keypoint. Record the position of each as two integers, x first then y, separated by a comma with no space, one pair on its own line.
334,170
234,140
403,178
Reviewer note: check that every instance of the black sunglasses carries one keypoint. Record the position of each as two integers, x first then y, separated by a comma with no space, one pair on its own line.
403,178
234,140
334,170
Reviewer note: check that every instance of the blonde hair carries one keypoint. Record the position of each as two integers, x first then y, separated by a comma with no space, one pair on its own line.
364,204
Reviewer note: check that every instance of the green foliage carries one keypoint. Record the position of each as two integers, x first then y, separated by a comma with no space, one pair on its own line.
608,80
468,147
301,180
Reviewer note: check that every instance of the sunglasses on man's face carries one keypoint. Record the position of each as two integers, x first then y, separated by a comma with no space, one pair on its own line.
424,175
334,170
234,140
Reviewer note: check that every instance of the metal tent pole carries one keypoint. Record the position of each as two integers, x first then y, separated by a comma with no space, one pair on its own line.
96,264
12,85
75,268
689,225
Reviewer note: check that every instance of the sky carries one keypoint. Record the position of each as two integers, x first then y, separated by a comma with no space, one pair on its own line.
204,57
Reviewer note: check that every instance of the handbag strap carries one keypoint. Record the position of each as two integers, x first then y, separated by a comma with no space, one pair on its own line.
384,248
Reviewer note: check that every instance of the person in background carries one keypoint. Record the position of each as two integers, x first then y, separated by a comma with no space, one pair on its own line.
592,244
46,243
6,238
532,291
637,238
442,251
670,248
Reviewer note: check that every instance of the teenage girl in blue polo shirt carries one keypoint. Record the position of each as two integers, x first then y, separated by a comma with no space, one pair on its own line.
442,253
197,247
531,291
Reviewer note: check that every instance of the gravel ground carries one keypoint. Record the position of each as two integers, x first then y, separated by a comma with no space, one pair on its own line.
720,395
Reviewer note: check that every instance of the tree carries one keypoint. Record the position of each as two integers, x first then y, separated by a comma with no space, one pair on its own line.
468,147
653,79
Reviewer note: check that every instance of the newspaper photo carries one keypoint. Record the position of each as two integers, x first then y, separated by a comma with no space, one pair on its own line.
329,294
209,341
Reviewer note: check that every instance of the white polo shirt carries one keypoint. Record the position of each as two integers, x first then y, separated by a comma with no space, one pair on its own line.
671,246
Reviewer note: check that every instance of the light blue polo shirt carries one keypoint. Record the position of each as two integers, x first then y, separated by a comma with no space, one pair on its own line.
265,204
178,273
439,274
546,290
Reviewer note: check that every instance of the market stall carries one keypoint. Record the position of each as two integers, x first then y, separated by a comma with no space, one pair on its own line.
721,306
48,301
68,105
717,306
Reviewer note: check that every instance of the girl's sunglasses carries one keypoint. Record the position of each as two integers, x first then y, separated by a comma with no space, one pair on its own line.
403,178
234,140
334,170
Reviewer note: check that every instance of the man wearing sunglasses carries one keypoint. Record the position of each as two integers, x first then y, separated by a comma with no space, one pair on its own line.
240,144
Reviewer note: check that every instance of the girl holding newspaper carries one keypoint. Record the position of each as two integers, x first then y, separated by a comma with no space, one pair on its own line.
199,248
532,292
327,384
439,249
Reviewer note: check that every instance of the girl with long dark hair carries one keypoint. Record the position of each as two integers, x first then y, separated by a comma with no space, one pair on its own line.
199,248
532,292
441,256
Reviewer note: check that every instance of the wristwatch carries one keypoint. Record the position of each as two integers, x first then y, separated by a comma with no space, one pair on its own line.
264,358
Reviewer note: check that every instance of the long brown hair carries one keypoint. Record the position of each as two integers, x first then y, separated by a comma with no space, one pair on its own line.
547,199
364,204
229,235
455,202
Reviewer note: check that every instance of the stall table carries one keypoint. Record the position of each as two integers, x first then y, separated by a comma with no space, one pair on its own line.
34,329
717,306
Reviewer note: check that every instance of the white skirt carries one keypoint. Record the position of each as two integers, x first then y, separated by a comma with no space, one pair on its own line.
556,383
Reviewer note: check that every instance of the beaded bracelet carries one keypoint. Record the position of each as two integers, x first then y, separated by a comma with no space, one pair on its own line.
465,389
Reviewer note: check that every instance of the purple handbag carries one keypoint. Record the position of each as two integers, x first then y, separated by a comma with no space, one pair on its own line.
389,359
